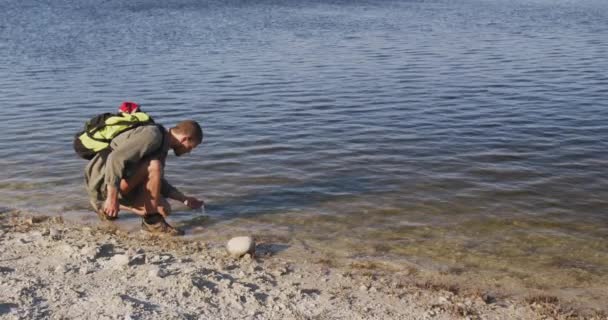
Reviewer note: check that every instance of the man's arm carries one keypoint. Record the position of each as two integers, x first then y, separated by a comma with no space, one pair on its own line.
111,206
172,192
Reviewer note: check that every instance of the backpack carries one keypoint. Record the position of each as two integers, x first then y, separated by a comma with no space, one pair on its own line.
99,131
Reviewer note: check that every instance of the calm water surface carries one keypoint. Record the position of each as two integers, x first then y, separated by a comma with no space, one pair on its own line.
467,133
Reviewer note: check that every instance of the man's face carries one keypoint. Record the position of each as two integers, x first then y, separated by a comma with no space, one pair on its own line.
185,146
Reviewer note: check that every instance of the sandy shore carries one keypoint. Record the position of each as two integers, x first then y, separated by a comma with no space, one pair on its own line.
53,269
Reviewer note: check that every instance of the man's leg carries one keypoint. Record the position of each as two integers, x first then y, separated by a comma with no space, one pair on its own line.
138,208
146,182
148,202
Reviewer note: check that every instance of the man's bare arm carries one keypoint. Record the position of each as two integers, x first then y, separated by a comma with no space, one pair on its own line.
111,206
190,202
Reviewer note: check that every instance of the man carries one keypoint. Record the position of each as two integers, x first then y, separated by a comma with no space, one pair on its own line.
130,175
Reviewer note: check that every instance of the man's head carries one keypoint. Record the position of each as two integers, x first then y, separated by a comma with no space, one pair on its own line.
186,135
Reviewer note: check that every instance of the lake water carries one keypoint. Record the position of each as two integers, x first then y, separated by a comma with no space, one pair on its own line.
470,134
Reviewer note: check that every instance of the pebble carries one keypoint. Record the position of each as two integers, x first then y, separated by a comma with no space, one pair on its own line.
239,246
157,272
153,273
137,259
227,283
54,234
90,253
36,235
119,261
247,258
133,251
67,250
280,272
58,219
34,220
62,269
105,250
85,270
487,298
363,288
159,259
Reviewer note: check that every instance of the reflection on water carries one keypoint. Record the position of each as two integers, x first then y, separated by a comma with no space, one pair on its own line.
467,134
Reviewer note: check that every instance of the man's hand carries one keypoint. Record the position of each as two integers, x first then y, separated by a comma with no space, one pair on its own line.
111,205
193,203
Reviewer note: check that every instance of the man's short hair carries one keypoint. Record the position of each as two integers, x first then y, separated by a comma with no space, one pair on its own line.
191,129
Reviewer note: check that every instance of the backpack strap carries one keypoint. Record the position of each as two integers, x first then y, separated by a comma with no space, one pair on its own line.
163,133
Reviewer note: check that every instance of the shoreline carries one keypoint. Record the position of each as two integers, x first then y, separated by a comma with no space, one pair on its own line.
51,268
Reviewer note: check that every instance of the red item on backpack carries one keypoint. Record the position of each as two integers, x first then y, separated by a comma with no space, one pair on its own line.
128,107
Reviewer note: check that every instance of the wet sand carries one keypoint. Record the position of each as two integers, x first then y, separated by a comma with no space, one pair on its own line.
50,268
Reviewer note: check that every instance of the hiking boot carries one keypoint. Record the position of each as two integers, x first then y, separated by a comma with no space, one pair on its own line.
100,213
155,223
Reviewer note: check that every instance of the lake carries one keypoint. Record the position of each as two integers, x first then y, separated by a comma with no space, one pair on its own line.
469,135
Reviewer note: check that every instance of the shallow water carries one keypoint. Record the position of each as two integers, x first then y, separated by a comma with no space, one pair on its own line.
468,133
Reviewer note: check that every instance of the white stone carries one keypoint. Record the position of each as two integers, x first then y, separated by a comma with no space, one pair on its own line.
85,270
154,271
67,250
443,300
239,246
89,253
137,259
157,272
62,269
120,260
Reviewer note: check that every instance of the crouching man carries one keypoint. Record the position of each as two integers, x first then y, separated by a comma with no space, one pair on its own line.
130,174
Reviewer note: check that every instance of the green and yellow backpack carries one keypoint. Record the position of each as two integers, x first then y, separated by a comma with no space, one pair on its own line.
99,131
